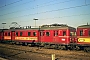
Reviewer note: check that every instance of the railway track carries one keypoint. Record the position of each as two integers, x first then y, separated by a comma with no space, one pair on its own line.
10,51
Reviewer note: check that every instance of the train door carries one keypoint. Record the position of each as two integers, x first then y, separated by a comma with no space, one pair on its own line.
12,35
55,36
41,37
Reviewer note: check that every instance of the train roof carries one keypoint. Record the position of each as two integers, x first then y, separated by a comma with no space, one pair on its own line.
3,29
84,26
22,29
44,27
57,27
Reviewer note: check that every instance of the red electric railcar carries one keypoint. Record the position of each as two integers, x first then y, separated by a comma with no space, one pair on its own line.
21,36
61,37
2,34
83,35
57,36
7,35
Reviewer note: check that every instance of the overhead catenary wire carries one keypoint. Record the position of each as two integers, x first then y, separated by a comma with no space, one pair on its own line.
67,16
10,3
61,17
48,11
17,5
27,3
37,6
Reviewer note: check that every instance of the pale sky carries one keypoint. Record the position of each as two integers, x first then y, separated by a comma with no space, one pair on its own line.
70,12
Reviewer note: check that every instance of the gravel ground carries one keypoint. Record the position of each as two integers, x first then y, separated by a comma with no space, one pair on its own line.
3,58
15,52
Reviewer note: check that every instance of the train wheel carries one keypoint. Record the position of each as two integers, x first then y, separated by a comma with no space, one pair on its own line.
24,44
17,43
52,46
77,48
86,49
72,48
46,46
63,47
56,46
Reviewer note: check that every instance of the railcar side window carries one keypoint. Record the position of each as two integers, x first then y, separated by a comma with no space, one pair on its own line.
5,34
29,33
89,33
16,33
8,33
64,33
47,33
34,33
81,32
55,33
72,33
20,33
40,33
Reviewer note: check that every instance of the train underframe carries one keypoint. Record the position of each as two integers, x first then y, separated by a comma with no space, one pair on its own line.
71,46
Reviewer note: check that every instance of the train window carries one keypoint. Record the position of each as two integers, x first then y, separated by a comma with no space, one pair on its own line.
8,33
5,34
21,33
29,33
34,33
72,33
47,33
42,33
64,33
55,33
16,33
89,33
81,32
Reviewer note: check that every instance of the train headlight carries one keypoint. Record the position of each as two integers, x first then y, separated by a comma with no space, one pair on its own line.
81,40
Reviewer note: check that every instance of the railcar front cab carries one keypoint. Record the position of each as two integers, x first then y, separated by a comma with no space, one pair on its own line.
7,36
26,36
67,35
61,36
83,35
2,35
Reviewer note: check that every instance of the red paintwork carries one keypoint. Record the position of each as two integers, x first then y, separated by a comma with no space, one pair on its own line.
25,34
85,35
1,35
84,29
6,34
59,39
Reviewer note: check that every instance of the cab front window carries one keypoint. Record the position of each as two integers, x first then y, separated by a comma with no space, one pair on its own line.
64,33
72,33
81,32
